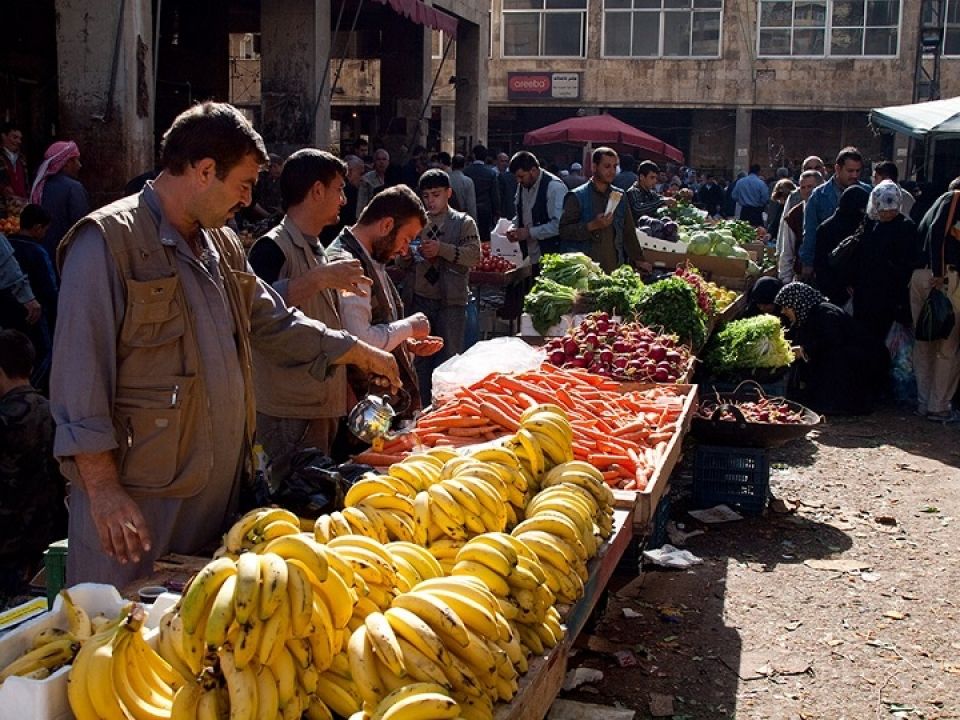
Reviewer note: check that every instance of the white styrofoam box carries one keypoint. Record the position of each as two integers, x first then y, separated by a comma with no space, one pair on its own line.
163,603
528,330
47,699
648,242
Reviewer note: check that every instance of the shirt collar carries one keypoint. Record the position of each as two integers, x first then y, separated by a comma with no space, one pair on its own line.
169,235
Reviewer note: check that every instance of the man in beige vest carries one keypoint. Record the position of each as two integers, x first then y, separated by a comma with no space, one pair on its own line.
295,410
152,387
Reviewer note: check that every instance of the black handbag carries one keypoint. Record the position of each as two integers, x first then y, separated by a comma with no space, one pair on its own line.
936,319
842,254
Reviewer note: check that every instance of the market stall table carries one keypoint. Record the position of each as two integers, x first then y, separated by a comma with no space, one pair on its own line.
514,283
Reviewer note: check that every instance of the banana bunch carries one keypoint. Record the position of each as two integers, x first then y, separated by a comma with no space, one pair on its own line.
386,503
413,563
257,528
447,632
117,674
54,647
545,439
517,480
469,498
374,571
416,701
584,481
513,573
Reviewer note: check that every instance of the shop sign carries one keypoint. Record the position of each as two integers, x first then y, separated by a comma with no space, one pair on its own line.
543,86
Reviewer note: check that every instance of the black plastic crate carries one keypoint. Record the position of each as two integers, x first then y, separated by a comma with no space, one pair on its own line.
657,536
738,477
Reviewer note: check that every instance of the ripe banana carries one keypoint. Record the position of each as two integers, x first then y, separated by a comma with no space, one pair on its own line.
78,621
203,588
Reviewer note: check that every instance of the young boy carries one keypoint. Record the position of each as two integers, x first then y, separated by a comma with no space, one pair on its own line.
449,246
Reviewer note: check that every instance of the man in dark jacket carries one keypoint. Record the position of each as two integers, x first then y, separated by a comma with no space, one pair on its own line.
539,204
486,183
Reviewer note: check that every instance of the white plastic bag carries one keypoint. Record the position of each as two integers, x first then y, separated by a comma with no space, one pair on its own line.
501,245
502,354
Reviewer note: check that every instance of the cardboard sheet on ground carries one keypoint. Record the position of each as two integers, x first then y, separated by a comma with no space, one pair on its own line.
571,710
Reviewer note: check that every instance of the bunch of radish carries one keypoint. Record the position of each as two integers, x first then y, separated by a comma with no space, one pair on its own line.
773,411
621,351
492,263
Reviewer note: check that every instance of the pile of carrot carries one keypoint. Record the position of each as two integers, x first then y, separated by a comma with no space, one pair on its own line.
624,435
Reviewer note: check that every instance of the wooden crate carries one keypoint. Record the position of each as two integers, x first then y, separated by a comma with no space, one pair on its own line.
504,279
645,502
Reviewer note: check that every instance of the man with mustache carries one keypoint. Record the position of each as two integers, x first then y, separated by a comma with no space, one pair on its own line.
152,389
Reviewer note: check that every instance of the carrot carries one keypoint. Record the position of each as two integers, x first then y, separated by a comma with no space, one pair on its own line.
470,431
377,459
598,459
497,416
427,422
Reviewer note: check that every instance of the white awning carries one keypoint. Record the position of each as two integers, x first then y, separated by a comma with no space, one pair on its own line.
938,118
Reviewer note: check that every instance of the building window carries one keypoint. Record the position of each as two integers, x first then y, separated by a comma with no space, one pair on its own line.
544,28
834,28
661,28
951,29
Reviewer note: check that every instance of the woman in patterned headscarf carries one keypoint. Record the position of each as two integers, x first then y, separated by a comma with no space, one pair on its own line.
879,269
839,368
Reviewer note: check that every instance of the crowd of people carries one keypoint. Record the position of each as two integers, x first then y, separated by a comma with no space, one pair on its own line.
170,349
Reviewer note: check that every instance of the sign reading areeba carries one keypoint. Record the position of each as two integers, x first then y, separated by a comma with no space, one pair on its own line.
543,85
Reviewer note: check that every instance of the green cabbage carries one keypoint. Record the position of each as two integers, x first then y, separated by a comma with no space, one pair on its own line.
747,344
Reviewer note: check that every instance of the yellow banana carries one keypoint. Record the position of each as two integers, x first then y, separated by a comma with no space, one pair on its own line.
385,642
185,702
203,588
321,530
323,636
363,668
284,670
559,526
463,496
300,592
318,710
417,632
274,634
421,517
337,596
241,687
419,557
418,666
498,455
78,620
423,706
268,695
273,584
398,525
50,655
496,583
369,484
363,524
436,613
339,694
220,615
390,500
48,635
405,692
488,556
139,698
236,537
304,548
247,593
474,616
467,586
246,641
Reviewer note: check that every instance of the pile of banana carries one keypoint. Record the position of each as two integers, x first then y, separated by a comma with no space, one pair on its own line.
52,648
117,674
564,525
446,631
543,440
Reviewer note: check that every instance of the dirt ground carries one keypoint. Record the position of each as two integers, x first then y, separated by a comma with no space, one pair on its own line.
759,632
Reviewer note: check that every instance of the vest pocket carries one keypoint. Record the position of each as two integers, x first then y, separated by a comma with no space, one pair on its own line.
154,314
147,418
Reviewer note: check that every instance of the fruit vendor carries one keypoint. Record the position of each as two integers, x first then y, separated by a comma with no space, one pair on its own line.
449,247
294,409
643,196
610,238
151,385
539,202
383,232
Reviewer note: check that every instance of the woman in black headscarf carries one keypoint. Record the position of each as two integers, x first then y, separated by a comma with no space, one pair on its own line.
833,231
761,297
840,367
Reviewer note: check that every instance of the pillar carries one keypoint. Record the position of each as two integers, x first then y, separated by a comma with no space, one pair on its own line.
742,136
295,45
472,84
105,97
448,129
405,77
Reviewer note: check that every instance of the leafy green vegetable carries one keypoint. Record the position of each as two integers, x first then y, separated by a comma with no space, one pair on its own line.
672,304
747,344
547,301
574,270
617,293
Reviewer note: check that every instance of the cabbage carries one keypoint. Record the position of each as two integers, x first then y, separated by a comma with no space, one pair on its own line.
748,344
699,244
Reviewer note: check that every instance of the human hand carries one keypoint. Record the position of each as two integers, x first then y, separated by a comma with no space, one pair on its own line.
34,311
424,347
124,535
601,221
800,353
420,325
380,365
937,282
429,248
346,274
517,234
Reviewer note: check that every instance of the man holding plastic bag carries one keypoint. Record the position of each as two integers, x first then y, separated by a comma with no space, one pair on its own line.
935,359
